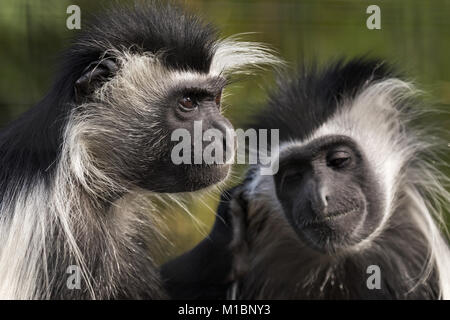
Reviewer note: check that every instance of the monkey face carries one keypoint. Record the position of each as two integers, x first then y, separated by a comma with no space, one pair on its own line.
153,127
328,193
198,146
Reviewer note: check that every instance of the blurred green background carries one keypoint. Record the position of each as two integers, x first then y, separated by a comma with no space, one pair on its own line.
415,35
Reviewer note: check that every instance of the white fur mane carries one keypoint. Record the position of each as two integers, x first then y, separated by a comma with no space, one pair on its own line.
378,121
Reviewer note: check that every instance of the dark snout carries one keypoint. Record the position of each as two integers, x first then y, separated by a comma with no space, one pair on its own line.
223,130
319,197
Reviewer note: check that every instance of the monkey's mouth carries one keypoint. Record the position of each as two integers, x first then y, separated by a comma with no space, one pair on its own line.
184,177
325,221
332,233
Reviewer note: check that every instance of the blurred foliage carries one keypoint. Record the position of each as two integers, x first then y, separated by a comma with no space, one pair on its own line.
415,35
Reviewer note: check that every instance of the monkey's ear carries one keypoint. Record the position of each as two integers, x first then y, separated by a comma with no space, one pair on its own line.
93,76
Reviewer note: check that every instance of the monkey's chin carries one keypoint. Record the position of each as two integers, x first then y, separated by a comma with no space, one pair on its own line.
322,240
204,176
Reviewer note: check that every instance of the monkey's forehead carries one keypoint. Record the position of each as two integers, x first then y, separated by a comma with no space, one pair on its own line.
180,40
313,95
187,80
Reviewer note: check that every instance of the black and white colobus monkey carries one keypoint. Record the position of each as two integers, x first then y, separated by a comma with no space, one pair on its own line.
354,189
102,137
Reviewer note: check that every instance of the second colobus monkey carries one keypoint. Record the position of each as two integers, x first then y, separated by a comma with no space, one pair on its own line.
353,212
102,136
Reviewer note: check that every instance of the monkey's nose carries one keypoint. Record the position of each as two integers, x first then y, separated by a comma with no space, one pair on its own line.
320,199
226,130
222,126
228,139
324,197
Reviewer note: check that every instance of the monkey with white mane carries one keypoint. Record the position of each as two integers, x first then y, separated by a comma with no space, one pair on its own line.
74,165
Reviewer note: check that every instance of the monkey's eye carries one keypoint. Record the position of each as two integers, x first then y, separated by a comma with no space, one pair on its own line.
187,104
218,99
338,159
